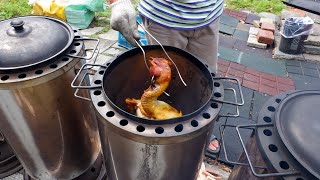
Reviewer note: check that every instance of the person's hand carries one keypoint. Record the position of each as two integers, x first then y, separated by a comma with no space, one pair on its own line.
123,19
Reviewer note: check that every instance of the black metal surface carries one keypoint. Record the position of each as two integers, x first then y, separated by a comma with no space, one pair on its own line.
298,124
273,150
127,76
95,172
9,164
30,40
312,6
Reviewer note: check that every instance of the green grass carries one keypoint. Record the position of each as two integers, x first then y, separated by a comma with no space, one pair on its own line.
12,8
273,6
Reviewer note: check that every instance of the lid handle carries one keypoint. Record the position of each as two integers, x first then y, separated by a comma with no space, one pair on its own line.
17,24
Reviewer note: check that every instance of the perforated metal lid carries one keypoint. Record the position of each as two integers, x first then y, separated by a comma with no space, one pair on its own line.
30,40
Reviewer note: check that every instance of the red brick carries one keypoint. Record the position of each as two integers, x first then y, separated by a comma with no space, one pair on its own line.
268,76
268,90
251,77
222,68
299,11
265,37
221,74
268,82
237,66
283,80
251,85
252,71
235,72
231,76
268,26
284,87
224,62
227,11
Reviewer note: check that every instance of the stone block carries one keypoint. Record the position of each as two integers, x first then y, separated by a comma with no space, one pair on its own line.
265,37
287,14
298,11
313,40
277,54
275,19
311,49
268,20
256,23
268,26
253,31
253,42
314,17
316,29
311,57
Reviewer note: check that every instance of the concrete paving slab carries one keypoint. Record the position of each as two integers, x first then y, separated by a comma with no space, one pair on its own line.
258,100
229,20
226,41
110,35
242,35
225,29
91,31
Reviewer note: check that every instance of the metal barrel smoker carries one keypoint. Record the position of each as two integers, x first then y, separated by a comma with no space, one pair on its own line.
144,149
53,134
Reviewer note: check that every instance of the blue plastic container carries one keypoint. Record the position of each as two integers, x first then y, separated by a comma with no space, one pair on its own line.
124,43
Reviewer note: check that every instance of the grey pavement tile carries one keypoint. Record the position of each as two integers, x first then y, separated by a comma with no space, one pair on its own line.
308,65
243,110
229,54
232,142
228,20
311,72
293,63
242,46
242,35
251,17
225,29
243,27
226,41
258,100
267,65
294,70
305,82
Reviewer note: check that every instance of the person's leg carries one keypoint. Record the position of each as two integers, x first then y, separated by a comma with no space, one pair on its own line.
204,44
165,36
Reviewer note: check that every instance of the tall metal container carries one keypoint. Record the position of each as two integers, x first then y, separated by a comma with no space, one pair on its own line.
53,133
144,149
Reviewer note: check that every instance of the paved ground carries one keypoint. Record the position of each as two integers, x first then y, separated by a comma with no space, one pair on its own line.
259,74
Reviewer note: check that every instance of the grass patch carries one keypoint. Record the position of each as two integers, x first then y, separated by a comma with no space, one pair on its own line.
13,8
272,6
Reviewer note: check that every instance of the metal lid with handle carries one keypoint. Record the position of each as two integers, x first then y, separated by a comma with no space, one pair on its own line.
31,40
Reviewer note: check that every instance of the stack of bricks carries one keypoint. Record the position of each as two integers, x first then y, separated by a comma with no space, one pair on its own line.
262,34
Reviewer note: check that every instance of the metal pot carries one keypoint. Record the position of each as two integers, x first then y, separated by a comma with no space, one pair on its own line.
53,134
137,148
287,133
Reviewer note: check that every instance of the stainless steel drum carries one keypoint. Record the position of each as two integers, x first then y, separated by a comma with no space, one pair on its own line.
144,149
53,133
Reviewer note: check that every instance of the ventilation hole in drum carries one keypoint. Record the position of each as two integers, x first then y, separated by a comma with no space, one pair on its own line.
216,84
216,94
77,44
206,65
140,128
123,122
206,115
101,103
194,123
299,179
271,108
278,100
93,169
159,130
213,74
97,81
39,71
178,128
52,66
267,132
273,148
110,114
73,51
97,92
77,36
267,119
101,72
214,105
5,77
284,165
75,31
65,59
21,76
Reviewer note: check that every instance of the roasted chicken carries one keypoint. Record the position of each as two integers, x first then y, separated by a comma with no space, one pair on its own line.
148,106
